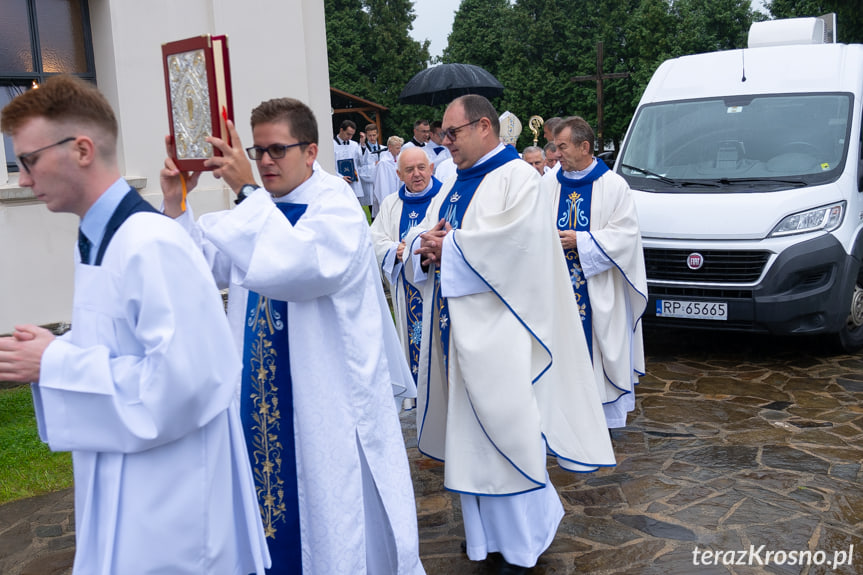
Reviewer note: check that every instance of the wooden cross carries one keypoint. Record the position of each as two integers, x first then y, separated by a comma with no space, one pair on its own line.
598,78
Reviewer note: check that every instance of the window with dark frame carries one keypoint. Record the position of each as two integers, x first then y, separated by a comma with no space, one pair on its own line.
39,39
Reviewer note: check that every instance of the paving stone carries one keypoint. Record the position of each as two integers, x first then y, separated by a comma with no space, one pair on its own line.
847,509
850,385
680,562
733,387
646,489
48,530
51,564
608,495
656,528
783,457
771,479
689,495
708,513
598,529
721,456
848,471
631,558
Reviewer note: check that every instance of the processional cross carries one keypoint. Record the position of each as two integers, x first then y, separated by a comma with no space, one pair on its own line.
598,78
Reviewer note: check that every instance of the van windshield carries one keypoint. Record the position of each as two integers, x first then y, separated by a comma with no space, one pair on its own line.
741,143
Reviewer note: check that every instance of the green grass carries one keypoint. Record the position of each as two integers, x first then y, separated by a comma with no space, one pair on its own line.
27,466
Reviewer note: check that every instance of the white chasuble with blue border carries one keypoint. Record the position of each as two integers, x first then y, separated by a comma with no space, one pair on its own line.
267,411
452,210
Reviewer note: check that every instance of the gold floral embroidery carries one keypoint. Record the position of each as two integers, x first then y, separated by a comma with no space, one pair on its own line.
266,417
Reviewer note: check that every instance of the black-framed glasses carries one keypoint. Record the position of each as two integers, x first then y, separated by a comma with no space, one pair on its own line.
27,160
275,151
452,133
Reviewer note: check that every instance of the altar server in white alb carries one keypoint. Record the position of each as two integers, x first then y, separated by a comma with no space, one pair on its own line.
349,159
505,376
142,389
371,153
321,358
599,233
399,213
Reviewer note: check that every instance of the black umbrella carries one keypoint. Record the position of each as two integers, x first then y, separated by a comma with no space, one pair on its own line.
443,83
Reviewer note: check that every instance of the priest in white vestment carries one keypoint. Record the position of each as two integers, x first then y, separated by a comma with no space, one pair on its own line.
399,213
386,177
141,390
349,159
595,213
322,359
505,377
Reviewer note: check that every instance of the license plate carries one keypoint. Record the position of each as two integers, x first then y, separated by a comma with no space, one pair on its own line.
692,309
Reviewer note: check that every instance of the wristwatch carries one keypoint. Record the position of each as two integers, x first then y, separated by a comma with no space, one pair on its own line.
245,191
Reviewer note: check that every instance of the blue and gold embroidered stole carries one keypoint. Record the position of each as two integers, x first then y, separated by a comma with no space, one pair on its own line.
573,213
267,412
452,210
413,211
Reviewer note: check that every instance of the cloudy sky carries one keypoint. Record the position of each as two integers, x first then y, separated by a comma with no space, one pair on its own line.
434,21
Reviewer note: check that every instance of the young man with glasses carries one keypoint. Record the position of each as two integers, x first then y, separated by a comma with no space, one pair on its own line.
505,377
142,389
321,358
422,135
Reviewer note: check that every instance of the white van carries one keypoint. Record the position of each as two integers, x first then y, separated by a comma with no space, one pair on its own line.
745,167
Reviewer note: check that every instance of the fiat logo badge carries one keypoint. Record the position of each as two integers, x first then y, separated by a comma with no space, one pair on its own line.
694,261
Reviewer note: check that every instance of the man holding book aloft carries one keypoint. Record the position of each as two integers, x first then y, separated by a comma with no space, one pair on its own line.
321,358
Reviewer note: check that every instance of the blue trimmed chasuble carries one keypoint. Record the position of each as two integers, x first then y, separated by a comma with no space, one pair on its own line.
452,210
413,211
267,412
573,213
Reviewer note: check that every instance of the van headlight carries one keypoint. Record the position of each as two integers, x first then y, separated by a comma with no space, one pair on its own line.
826,218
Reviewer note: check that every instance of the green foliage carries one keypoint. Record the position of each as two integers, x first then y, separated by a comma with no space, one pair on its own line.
371,55
536,47
27,466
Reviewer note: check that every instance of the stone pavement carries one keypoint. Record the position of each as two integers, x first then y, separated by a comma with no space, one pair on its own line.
737,442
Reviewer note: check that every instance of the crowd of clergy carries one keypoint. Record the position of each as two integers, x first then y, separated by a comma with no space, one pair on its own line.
267,439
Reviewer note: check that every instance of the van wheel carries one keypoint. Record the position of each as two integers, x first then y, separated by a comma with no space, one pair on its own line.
851,336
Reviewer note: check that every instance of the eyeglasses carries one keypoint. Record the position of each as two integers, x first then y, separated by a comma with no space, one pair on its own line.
27,160
452,133
275,151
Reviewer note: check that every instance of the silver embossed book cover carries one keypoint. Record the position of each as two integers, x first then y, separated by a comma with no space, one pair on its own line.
198,87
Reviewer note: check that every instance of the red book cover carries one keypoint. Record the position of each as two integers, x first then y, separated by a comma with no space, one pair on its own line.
198,89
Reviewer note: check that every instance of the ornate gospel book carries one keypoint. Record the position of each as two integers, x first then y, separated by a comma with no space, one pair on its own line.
198,87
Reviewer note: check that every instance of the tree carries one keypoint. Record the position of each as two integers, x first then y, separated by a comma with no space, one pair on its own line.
478,34
347,29
392,58
372,55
